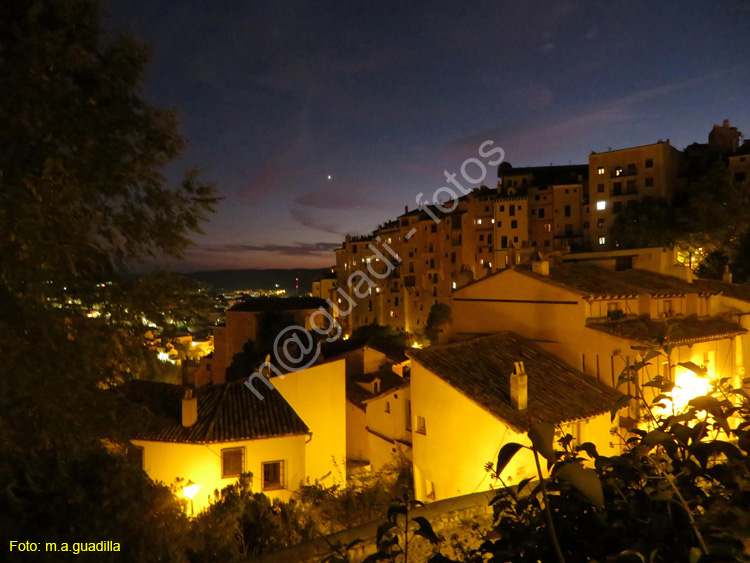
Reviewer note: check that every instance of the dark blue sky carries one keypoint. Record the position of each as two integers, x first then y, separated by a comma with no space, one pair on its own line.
275,96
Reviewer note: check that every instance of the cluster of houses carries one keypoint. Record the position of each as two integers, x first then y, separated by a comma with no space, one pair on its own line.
542,341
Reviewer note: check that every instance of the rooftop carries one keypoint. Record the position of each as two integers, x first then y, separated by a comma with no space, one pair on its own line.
550,175
681,330
275,304
394,352
738,291
388,379
594,281
480,369
226,413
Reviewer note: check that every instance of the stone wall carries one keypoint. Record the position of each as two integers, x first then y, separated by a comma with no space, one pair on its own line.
443,515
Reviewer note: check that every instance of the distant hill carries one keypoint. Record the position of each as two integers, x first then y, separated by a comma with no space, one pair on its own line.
237,280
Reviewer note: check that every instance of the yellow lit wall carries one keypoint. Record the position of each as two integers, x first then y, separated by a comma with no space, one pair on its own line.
201,463
318,396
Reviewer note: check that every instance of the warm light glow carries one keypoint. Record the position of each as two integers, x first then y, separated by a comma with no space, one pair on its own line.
601,205
688,386
454,285
190,489
417,345
346,337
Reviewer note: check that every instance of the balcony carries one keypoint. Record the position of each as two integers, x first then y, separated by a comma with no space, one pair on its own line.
624,172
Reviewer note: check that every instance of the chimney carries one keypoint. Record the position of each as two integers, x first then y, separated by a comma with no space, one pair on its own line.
189,409
519,387
541,267
406,209
727,275
725,123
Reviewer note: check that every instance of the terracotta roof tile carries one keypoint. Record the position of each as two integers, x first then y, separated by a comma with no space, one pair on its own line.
226,413
480,369
681,330
594,281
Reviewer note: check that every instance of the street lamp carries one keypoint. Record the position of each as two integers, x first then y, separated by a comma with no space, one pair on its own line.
189,490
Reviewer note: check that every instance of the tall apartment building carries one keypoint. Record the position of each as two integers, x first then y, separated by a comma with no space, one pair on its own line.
621,176
543,209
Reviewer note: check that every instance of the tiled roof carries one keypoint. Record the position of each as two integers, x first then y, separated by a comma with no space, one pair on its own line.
739,291
681,330
226,413
594,281
357,395
388,379
274,304
480,369
394,352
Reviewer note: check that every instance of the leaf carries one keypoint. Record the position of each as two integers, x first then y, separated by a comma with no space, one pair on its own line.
377,556
651,354
394,511
425,529
585,480
621,403
506,454
522,484
695,368
542,436
589,448
383,529
656,437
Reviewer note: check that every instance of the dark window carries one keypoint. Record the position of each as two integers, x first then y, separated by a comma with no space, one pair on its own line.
354,249
388,407
232,462
421,425
481,237
453,257
585,224
504,242
567,210
649,182
395,301
649,163
616,207
617,188
541,213
273,475
511,210
502,208
489,239
600,188
514,224
408,416
433,229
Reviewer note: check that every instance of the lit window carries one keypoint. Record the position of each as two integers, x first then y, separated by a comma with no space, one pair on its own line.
481,262
602,240
618,171
600,170
492,221
232,462
548,227
273,475
479,221
601,205
489,264
454,285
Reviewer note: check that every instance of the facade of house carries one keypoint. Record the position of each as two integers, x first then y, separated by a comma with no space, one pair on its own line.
212,434
470,398
243,321
599,319
318,395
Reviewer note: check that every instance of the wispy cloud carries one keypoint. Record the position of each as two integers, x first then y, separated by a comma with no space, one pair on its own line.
298,249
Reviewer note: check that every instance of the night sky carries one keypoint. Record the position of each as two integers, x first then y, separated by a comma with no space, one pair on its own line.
275,97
